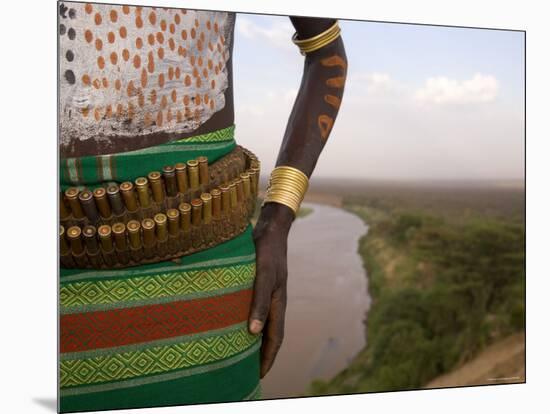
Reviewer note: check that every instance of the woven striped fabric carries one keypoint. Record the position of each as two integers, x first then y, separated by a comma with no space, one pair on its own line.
160,334
95,170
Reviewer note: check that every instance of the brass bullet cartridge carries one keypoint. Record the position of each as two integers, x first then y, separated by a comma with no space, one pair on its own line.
148,226
196,213
77,248
240,190
93,252
169,174
149,240
156,186
161,226
104,232
206,207
106,241
174,241
185,224
89,234
233,215
193,172
134,228
142,188
72,197
162,234
119,233
246,185
185,216
196,218
203,171
256,171
206,231
253,187
100,196
115,199
216,203
129,196
181,177
173,221
233,195
73,235
226,200
121,247
88,205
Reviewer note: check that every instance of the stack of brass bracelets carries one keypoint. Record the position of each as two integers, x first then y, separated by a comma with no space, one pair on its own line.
287,185
318,41
187,208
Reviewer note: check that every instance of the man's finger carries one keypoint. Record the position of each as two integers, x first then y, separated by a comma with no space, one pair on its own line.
274,331
263,288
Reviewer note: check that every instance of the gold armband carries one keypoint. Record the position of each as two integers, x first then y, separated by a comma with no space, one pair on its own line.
287,185
317,42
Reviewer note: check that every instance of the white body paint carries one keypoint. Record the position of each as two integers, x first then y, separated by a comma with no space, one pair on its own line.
84,108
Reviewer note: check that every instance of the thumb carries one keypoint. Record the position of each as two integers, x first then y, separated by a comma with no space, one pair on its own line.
261,303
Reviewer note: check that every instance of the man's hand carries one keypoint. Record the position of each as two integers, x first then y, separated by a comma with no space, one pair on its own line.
267,314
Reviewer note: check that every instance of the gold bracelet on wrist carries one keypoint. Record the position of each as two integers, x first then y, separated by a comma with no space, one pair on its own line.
288,186
317,42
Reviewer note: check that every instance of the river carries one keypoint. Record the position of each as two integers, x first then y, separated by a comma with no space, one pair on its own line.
327,301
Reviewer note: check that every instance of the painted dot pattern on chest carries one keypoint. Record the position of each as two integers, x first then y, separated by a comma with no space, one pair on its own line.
131,71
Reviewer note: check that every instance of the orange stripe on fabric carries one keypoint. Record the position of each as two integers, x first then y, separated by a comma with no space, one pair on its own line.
104,329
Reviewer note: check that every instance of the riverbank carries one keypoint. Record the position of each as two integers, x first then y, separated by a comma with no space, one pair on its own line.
446,275
500,363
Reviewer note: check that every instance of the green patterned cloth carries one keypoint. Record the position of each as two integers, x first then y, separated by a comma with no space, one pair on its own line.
165,333
95,170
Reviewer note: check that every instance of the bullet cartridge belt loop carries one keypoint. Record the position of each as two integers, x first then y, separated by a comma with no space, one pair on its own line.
134,223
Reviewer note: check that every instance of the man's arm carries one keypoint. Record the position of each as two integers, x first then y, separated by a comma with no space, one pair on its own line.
307,131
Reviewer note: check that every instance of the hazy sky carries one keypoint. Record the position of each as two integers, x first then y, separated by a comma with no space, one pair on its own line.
421,102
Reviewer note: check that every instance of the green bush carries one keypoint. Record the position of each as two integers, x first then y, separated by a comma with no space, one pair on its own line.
428,324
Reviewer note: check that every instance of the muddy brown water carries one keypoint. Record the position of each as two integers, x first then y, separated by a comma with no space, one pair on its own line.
327,301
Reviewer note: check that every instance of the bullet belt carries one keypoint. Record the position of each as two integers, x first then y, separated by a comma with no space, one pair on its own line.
184,209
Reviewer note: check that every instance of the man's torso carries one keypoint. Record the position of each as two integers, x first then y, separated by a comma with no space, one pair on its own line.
133,77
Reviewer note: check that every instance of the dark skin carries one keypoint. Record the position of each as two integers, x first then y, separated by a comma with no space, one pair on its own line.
308,129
